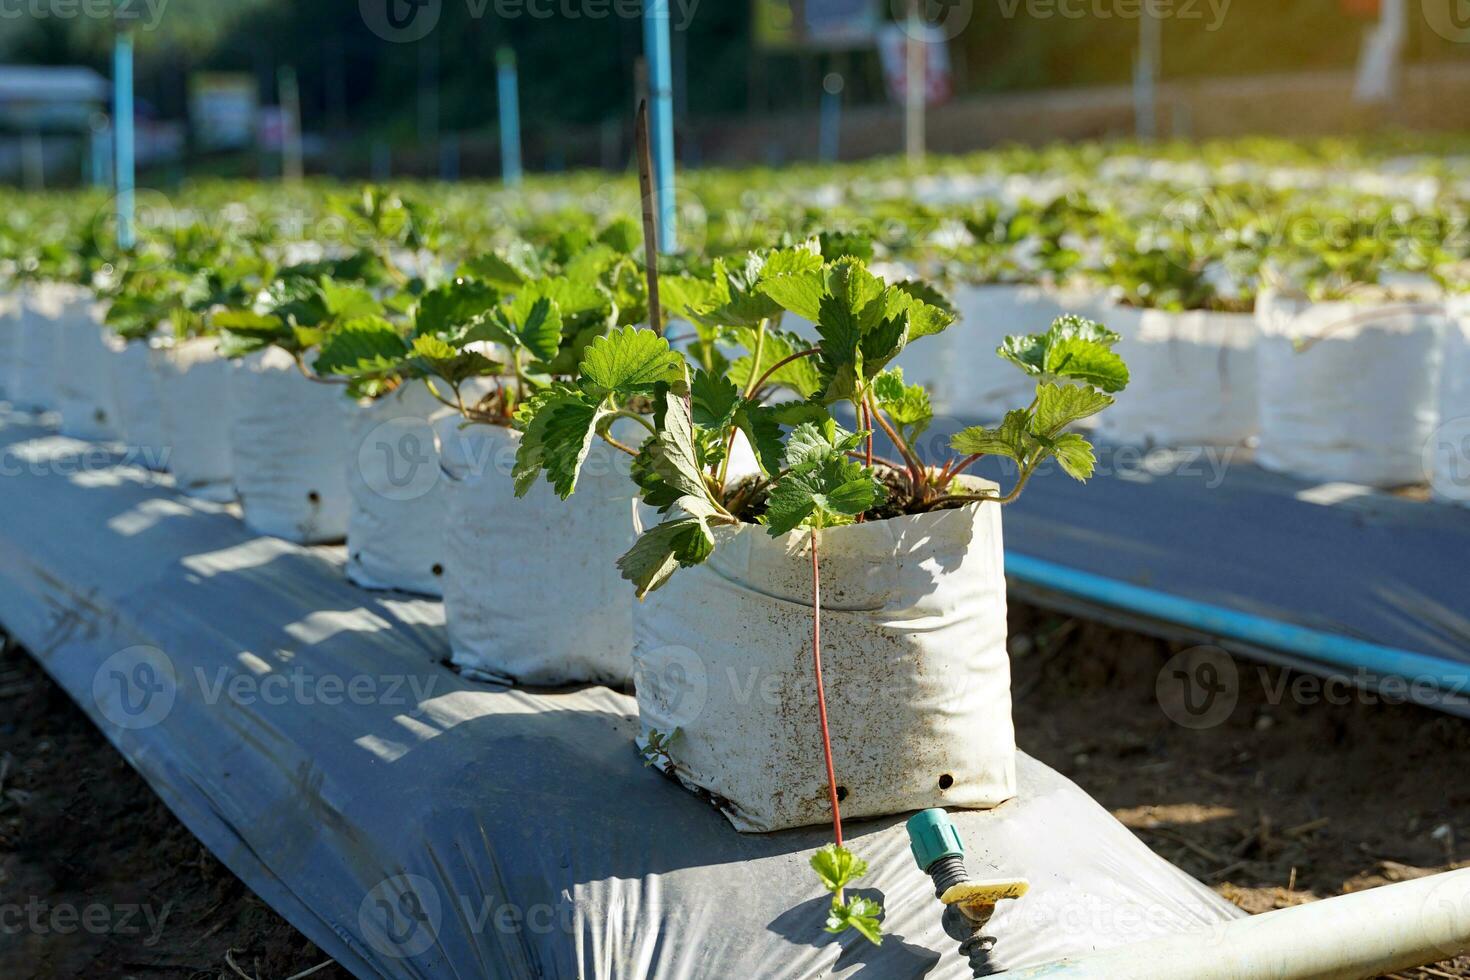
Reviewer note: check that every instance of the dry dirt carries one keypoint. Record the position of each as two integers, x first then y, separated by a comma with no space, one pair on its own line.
1281,803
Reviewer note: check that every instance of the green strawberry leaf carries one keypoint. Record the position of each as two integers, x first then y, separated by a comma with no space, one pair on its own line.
450,308
1074,454
1057,406
683,540
365,345
557,427
826,492
860,914
837,867
1009,439
629,361
714,400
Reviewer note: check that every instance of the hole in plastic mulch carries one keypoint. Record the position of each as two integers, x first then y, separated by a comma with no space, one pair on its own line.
946,781
437,569
313,496
841,793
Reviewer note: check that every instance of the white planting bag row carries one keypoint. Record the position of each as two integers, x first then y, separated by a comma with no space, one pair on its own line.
1448,453
395,531
138,413
32,385
84,370
532,592
972,382
194,412
1192,377
1360,399
915,668
289,439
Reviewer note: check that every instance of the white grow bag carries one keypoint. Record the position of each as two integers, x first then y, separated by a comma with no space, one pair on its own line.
1192,377
290,438
532,592
138,415
1359,401
194,411
914,665
395,532
1448,453
84,370
975,382
32,384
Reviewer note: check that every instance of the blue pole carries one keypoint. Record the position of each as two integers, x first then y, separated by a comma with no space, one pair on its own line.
830,124
122,122
656,51
510,117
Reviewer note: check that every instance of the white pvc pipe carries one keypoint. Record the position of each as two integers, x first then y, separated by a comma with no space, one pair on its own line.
1350,937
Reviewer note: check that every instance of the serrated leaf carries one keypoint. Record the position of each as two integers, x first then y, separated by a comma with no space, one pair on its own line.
924,318
742,302
433,348
361,346
795,413
1073,347
907,405
676,460
591,263
532,322
822,493
629,361
1089,361
1060,405
837,867
509,267
453,306
1008,439
557,426
713,399
797,292
683,540
438,357
1074,454
654,491
860,914
763,431
815,441
348,299
688,296
806,257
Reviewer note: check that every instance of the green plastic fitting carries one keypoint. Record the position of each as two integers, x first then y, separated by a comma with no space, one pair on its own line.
933,837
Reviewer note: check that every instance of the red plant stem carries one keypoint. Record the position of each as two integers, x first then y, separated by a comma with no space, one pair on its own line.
821,692
916,468
957,466
755,388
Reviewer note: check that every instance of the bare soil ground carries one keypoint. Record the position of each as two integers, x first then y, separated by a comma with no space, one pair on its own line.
1283,802
1287,800
97,877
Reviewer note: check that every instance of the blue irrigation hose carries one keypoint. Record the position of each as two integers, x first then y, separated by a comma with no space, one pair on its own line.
1327,648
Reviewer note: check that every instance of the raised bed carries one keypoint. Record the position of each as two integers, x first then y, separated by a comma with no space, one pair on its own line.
532,840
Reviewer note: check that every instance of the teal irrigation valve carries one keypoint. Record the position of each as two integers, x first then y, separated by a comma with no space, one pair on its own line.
968,905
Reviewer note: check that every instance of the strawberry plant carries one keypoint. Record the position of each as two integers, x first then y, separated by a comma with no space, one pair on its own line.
782,393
